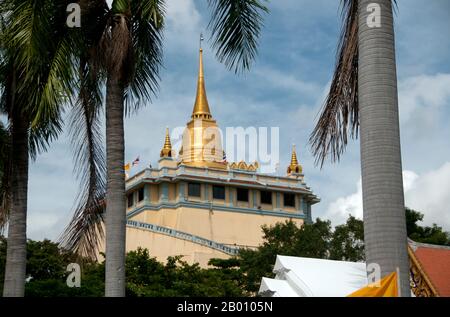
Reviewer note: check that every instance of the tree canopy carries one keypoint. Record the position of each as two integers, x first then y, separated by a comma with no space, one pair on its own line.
237,276
431,235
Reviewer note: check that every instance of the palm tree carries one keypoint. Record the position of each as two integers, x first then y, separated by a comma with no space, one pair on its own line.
38,79
363,96
132,52
132,46
28,99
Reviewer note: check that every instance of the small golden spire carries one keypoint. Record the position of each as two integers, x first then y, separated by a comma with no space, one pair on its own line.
294,160
167,149
294,167
201,106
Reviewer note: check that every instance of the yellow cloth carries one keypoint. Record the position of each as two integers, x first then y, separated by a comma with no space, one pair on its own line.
388,287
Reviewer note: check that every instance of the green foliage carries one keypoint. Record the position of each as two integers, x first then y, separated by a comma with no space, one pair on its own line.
237,276
46,271
432,235
44,260
348,241
236,26
120,6
46,275
148,277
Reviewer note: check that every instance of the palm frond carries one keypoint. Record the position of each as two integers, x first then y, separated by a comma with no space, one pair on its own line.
340,114
236,26
7,84
147,25
43,58
85,232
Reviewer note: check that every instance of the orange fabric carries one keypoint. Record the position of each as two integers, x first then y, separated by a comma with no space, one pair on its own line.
388,288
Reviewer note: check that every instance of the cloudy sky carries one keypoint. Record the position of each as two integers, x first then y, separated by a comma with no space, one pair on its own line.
285,89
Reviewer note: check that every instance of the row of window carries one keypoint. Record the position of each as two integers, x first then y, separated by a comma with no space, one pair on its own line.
242,194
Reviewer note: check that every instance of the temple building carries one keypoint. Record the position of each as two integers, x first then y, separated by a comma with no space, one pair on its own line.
198,205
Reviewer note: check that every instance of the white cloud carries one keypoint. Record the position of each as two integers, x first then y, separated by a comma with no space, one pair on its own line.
339,210
424,111
427,193
43,225
183,24
288,82
430,194
423,95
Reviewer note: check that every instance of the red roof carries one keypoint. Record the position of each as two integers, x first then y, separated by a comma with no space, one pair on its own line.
435,261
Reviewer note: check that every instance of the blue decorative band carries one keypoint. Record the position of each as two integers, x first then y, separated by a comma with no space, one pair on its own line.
208,206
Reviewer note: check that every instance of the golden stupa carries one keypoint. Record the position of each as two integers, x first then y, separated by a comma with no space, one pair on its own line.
294,167
202,139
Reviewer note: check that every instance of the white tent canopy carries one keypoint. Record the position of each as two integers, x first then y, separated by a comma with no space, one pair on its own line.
306,277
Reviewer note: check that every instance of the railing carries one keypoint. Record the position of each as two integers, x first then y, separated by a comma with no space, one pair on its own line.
184,236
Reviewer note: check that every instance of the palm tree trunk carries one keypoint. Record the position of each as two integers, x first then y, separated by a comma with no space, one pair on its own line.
16,256
115,195
381,164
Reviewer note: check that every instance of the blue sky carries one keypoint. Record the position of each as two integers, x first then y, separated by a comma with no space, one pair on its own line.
285,88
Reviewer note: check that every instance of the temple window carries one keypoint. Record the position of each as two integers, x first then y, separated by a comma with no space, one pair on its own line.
266,197
141,194
130,201
242,194
289,200
218,192
194,190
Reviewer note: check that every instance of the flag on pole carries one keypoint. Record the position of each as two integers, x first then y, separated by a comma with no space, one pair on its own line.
201,40
135,162
386,287
126,167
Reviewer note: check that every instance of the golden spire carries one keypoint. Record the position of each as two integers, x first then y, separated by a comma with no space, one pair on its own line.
294,167
167,148
201,106
202,143
294,161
